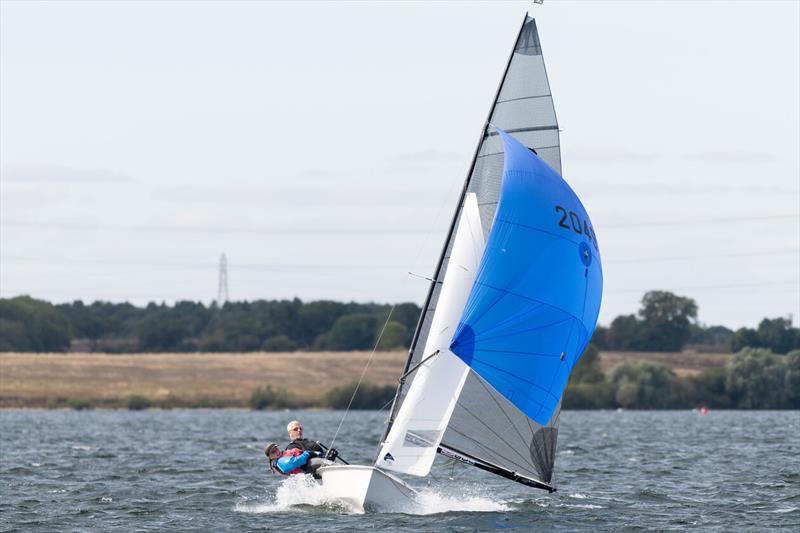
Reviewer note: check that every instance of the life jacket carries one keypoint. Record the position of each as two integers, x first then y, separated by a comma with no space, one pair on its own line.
294,452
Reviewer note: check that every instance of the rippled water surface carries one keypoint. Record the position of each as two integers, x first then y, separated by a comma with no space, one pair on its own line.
205,471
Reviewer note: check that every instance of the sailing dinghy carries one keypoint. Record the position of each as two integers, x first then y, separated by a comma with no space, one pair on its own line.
513,304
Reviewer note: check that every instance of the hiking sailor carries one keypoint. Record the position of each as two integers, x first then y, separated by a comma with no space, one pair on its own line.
295,430
293,461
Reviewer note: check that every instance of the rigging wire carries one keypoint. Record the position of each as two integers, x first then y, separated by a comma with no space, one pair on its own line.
384,407
696,221
361,378
709,256
428,236
68,295
363,373
258,267
209,229
728,286
429,232
380,335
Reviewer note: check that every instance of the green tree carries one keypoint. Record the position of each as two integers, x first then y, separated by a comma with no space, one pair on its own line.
107,326
317,318
711,338
599,337
775,334
587,387
46,329
408,315
623,333
247,343
588,368
745,338
279,343
160,332
394,336
137,402
778,335
666,321
367,397
792,379
584,395
709,388
13,336
643,385
350,332
282,318
756,379
269,398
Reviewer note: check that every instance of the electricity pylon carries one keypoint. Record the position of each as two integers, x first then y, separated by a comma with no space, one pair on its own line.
222,290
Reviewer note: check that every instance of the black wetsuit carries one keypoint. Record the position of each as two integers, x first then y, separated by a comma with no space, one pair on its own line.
306,445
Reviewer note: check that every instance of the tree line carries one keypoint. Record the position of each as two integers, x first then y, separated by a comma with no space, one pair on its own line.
31,325
365,396
667,322
664,322
753,378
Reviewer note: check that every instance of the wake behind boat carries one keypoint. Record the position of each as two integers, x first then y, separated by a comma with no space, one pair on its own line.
511,308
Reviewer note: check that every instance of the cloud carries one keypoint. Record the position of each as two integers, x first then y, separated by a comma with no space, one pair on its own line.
329,194
314,173
609,154
730,155
26,199
207,229
616,154
428,155
422,162
681,188
63,174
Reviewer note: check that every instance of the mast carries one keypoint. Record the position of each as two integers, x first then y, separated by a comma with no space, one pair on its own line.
456,214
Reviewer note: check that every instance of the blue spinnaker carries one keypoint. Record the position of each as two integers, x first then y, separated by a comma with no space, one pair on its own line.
536,297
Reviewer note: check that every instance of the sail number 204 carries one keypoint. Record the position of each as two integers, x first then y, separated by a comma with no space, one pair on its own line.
570,220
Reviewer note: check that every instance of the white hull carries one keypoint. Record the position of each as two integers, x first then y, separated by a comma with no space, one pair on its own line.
367,488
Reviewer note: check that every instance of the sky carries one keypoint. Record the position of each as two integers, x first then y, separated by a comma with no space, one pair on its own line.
321,146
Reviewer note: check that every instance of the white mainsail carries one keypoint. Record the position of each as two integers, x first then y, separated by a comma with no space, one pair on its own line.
411,445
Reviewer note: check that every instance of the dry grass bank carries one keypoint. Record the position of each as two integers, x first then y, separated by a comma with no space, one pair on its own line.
190,380
226,379
682,363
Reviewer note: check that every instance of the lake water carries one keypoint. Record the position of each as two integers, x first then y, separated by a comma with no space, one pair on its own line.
205,471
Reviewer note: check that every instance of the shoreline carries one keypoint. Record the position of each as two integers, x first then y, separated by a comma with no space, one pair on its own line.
184,380
101,381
